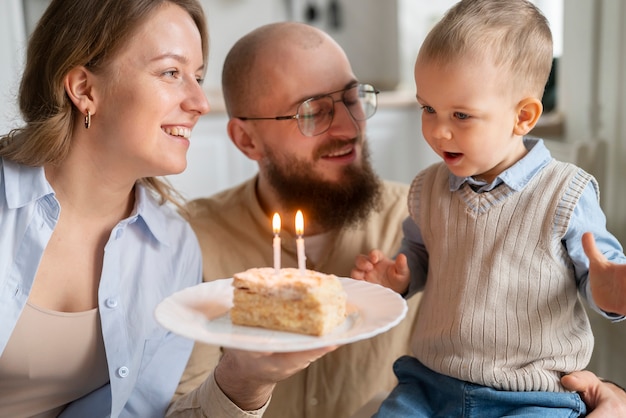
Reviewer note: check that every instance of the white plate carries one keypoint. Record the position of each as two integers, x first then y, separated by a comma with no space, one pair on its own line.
201,313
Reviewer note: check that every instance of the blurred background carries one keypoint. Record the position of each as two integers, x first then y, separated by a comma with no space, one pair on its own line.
586,96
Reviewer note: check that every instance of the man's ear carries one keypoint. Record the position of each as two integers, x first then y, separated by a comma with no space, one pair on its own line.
78,86
244,138
528,112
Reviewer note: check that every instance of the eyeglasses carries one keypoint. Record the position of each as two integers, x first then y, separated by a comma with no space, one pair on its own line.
315,115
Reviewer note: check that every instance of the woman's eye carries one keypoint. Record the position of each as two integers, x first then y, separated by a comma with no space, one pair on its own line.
171,73
428,109
461,116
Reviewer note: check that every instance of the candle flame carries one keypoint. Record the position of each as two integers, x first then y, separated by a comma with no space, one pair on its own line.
276,223
299,223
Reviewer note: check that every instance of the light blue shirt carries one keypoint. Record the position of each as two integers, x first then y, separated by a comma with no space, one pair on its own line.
587,217
148,256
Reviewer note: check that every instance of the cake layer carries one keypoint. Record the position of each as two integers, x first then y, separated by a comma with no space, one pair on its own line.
313,303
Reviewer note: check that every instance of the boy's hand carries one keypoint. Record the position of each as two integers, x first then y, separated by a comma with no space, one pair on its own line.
607,280
376,268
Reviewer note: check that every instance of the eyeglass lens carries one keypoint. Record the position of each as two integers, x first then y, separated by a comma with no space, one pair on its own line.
316,115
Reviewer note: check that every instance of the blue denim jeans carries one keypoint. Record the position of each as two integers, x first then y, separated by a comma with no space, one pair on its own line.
422,392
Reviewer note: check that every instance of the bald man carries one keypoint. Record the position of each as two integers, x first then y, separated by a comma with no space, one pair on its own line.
321,166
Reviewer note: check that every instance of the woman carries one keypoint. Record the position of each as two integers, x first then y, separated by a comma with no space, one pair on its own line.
110,94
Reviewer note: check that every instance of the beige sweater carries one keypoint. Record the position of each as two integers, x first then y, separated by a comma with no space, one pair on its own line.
500,305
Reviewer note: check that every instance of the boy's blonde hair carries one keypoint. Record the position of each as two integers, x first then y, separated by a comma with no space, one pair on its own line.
514,34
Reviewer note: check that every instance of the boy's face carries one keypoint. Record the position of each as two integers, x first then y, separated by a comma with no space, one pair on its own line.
469,112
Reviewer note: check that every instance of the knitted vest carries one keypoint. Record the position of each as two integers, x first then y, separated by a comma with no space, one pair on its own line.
500,305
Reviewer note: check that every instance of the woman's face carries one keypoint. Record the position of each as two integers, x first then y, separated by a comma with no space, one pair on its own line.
149,97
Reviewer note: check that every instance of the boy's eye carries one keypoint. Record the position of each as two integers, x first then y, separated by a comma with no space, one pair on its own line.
461,116
428,109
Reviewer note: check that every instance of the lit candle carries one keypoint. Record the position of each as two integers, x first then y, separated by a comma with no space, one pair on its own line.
300,242
276,242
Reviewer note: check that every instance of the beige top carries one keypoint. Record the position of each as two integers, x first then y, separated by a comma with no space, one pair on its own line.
51,359
235,234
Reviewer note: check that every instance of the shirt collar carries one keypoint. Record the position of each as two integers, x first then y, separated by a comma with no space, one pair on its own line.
24,184
153,215
518,175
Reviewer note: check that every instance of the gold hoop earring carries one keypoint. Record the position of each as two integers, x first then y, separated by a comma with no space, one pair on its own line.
88,120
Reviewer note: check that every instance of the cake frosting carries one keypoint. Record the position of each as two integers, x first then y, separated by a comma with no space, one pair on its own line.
311,303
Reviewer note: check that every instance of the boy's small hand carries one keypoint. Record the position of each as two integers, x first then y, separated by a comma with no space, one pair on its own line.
364,264
376,268
607,280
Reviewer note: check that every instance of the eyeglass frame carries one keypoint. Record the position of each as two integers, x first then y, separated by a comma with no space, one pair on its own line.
297,116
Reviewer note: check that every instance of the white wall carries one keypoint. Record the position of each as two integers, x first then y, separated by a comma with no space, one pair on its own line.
12,39
592,97
228,21
368,32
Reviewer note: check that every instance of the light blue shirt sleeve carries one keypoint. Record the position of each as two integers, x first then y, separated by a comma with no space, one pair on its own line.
589,217
413,248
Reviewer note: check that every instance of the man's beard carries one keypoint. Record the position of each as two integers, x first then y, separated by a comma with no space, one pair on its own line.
329,205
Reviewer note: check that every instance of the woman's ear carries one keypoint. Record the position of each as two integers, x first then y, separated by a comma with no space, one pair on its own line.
78,86
528,112
244,138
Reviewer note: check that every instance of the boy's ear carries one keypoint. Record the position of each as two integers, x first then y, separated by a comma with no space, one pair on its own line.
244,138
528,112
78,87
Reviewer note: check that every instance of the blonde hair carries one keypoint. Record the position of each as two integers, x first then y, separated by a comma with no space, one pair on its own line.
72,33
512,33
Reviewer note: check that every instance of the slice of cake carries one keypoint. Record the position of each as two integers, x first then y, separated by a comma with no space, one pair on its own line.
313,303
